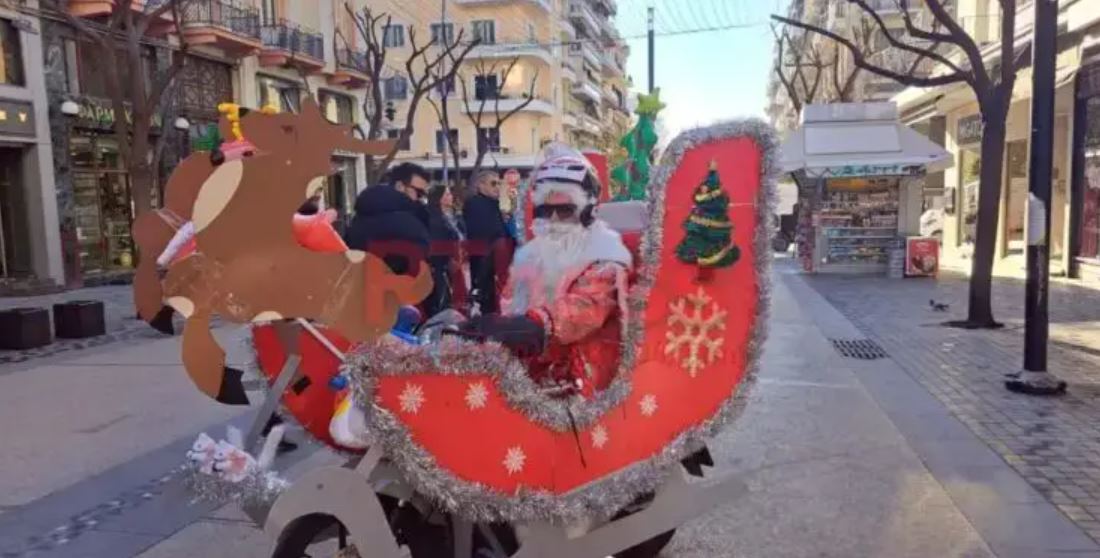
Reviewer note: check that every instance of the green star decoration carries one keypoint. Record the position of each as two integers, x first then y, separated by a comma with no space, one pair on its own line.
649,105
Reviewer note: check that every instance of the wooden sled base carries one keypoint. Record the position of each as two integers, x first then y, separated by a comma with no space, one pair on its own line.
344,502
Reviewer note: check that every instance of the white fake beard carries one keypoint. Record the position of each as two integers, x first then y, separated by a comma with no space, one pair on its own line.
555,249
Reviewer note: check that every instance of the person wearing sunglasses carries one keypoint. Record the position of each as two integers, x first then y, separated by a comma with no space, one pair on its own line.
391,220
489,244
563,311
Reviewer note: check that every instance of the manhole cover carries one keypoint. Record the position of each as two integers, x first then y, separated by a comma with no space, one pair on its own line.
864,349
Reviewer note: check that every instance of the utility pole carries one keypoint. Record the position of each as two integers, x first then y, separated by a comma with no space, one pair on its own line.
444,44
651,37
1034,379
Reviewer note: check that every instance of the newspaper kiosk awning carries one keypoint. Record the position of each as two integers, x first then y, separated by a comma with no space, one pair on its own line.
859,139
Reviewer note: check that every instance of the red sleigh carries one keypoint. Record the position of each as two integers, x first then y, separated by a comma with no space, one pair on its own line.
459,427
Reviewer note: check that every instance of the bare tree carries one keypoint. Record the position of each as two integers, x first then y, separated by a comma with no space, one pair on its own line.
485,112
992,86
135,98
421,70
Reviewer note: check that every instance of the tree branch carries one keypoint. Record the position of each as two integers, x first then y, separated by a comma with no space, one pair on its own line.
859,60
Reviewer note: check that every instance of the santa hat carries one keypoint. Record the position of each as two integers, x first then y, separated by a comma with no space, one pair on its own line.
564,170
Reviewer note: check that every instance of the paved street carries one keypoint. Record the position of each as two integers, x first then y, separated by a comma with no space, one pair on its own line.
843,457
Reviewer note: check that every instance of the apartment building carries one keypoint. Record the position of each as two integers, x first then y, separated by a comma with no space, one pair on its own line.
261,52
568,58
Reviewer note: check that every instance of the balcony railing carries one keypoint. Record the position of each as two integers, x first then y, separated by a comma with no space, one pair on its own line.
238,19
294,39
352,59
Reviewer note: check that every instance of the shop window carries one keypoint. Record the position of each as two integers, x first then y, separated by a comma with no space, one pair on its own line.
441,140
283,95
402,144
970,169
1090,221
338,109
11,55
1016,191
102,205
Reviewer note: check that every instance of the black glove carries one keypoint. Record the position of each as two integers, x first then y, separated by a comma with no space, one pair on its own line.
522,335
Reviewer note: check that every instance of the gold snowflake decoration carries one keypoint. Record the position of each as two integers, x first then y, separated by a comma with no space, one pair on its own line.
692,322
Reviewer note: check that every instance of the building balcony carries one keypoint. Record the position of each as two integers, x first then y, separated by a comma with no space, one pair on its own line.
590,124
567,29
506,104
608,6
541,4
587,90
567,71
97,8
225,25
351,68
512,50
583,15
612,66
287,44
569,120
588,52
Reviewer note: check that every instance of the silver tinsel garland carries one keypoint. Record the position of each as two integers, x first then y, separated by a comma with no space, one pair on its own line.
611,493
258,490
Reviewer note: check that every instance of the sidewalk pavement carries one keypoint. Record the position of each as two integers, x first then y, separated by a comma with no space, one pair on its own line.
1053,443
842,458
119,315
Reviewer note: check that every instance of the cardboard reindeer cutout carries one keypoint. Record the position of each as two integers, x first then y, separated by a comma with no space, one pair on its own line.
248,265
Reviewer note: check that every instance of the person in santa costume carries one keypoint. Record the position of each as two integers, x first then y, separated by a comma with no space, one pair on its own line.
564,304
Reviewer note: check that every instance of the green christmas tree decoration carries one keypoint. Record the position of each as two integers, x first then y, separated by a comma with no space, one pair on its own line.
708,243
209,141
632,177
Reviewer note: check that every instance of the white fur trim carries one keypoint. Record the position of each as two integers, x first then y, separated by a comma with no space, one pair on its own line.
574,191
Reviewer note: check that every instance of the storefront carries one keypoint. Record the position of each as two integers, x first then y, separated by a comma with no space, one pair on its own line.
1086,170
860,177
340,186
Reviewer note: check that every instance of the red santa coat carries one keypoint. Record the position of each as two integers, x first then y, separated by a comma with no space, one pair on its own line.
583,313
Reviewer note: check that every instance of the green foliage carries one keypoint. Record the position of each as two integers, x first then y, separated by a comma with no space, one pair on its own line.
632,177
209,141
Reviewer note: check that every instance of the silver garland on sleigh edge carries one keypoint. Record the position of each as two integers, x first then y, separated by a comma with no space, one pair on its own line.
258,490
611,493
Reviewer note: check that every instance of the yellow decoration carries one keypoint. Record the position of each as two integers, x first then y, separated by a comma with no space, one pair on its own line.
649,104
698,317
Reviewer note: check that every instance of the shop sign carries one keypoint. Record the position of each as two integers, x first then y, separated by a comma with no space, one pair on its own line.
874,170
16,118
96,113
922,257
969,130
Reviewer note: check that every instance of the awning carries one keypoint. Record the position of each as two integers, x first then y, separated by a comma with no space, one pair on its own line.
859,139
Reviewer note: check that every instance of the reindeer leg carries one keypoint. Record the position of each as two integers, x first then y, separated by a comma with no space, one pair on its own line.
204,361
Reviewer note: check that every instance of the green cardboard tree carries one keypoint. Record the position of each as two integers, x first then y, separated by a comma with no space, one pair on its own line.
632,177
708,242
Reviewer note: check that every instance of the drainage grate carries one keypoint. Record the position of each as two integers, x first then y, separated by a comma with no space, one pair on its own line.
864,349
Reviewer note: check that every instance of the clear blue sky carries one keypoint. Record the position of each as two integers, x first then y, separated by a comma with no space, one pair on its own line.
707,75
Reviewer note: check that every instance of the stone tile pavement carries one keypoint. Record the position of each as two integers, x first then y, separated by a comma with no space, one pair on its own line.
1053,443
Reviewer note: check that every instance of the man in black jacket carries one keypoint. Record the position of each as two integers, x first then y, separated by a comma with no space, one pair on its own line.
490,245
391,221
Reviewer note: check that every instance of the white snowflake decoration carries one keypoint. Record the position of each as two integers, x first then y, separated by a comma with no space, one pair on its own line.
477,396
412,398
514,460
648,405
698,318
599,436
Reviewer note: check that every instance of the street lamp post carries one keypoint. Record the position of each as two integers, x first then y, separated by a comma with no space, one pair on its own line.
1034,378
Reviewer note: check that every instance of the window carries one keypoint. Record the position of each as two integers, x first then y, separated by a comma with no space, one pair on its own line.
397,89
1090,219
531,36
488,139
485,31
446,87
486,87
444,31
11,55
338,109
393,36
283,95
970,168
403,145
441,140
268,12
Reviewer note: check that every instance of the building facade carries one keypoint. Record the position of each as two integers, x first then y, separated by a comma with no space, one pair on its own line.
568,58
950,115
67,204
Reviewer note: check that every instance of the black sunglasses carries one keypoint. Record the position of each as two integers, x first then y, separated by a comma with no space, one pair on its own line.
562,210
